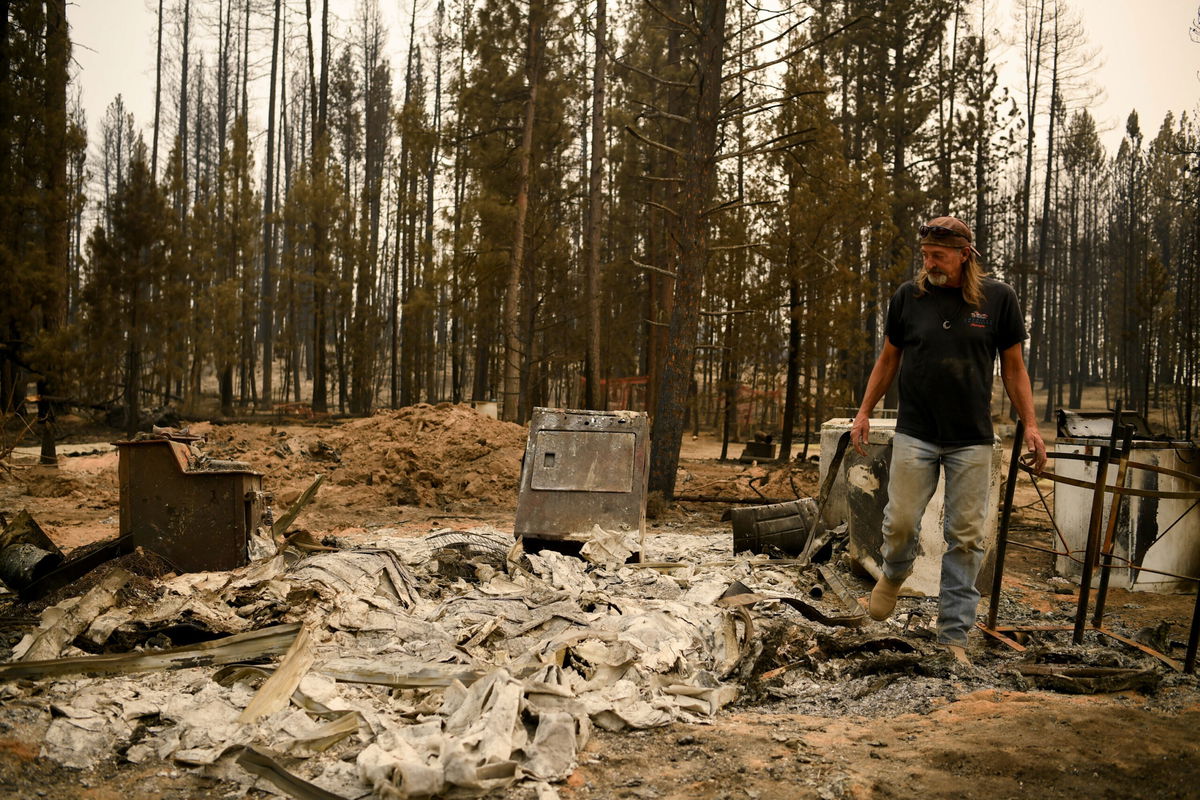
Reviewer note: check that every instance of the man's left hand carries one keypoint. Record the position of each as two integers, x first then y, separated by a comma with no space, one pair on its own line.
1035,445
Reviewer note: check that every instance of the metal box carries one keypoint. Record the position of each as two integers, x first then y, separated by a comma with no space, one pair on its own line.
1153,532
197,516
859,495
581,469
757,451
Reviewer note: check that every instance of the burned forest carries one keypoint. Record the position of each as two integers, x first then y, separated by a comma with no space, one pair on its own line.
465,398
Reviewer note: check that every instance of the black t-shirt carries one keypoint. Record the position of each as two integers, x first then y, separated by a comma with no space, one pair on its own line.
949,357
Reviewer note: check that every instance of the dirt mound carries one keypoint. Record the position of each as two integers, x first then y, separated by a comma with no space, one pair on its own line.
435,455
49,482
422,455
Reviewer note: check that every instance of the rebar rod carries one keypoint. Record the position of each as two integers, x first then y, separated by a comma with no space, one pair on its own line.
1106,548
1002,536
1093,544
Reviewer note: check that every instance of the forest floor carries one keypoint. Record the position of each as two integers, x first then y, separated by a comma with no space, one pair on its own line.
916,729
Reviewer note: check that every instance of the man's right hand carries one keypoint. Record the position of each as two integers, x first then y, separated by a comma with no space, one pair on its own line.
859,432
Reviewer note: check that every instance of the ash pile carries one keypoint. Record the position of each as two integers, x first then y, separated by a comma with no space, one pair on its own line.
411,666
456,663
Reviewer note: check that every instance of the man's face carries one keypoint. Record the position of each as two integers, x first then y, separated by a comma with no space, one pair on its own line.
944,265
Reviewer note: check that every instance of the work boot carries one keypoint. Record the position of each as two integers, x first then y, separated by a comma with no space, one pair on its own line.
883,598
959,654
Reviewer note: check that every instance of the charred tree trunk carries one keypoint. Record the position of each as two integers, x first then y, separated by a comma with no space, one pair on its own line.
58,53
157,96
594,397
691,246
267,323
792,387
513,351
321,255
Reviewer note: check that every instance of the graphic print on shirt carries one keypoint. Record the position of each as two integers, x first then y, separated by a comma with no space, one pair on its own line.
979,319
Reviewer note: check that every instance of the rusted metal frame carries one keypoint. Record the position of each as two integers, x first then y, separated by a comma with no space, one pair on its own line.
999,634
1093,541
1194,633
1189,661
1094,546
1110,533
1152,493
1170,662
1010,489
1000,637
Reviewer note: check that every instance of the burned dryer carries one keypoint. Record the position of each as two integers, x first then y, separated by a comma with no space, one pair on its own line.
582,469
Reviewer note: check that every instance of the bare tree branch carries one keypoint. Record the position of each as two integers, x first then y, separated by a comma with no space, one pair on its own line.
652,268
720,247
761,45
775,15
726,313
650,75
772,102
681,23
792,54
660,206
633,131
730,205
656,112
765,147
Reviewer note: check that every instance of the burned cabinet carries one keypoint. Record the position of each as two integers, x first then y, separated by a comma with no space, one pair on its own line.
582,469
198,515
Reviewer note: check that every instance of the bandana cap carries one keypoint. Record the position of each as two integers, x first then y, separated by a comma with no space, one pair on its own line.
947,232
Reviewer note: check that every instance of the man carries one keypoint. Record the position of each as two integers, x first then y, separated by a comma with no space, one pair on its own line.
944,331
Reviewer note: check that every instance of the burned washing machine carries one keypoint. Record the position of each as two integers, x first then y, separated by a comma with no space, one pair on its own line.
582,469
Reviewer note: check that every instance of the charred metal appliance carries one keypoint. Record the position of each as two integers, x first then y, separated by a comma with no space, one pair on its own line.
583,469
761,449
783,527
196,513
860,494
1156,533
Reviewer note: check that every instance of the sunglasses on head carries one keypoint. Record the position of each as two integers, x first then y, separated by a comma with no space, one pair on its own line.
939,231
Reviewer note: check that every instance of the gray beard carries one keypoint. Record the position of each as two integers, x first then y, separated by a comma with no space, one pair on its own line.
937,278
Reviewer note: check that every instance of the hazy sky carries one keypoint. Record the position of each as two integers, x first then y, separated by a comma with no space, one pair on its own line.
1147,60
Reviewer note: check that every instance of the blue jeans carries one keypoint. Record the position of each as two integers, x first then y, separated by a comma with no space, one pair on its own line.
911,482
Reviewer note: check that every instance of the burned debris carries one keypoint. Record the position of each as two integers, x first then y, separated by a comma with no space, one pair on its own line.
469,659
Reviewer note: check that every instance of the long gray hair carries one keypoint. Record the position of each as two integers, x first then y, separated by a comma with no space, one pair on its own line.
972,280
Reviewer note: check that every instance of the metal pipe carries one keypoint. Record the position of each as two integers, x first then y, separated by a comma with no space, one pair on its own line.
1189,662
1111,531
1005,514
1093,544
